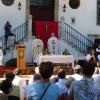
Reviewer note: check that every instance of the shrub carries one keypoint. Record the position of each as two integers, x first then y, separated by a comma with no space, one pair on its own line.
11,63
66,52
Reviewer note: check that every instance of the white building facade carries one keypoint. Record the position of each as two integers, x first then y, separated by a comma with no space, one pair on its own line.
85,16
9,11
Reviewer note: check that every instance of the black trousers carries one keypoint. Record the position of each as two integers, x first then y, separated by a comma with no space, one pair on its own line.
6,38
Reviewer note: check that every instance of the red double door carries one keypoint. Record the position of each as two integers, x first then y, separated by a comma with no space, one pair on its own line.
44,30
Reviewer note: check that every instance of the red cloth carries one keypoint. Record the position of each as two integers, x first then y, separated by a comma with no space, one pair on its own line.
1,70
5,69
8,69
44,30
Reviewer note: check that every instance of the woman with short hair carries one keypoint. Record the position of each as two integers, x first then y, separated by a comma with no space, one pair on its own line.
43,89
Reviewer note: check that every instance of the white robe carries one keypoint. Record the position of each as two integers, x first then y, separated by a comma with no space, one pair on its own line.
53,46
21,83
37,49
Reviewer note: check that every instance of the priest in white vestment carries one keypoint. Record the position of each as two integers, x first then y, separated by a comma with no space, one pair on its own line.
53,45
37,49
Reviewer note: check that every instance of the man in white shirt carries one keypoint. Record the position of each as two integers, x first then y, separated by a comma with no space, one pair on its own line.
37,48
77,73
53,45
91,55
20,83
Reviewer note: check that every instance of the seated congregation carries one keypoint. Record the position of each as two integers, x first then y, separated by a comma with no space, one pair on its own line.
52,83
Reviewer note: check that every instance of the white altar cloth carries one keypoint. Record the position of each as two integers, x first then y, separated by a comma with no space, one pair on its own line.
57,59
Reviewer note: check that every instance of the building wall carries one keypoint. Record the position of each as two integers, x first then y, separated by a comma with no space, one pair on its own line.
85,16
12,14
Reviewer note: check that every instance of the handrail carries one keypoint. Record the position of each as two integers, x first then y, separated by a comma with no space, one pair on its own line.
76,39
20,33
77,32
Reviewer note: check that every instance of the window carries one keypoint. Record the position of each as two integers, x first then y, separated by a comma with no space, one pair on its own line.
98,12
74,4
7,2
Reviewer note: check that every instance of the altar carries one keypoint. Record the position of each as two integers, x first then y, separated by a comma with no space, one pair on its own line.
57,59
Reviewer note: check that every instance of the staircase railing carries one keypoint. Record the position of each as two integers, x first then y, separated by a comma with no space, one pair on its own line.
20,32
76,39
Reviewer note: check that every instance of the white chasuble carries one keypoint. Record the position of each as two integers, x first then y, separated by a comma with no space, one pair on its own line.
37,49
53,46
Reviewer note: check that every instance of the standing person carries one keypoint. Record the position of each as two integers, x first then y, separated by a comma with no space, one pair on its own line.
19,84
61,82
7,88
98,52
7,28
98,55
43,89
53,45
37,48
85,88
77,73
91,55
9,76
97,83
36,78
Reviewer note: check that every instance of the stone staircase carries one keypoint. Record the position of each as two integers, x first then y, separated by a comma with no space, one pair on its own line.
11,53
21,37
76,42
72,42
72,50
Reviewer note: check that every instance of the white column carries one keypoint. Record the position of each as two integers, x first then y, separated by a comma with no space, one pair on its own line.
62,27
30,26
56,10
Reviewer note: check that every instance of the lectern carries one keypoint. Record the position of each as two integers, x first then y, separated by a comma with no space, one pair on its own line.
21,56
